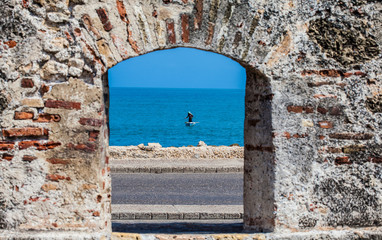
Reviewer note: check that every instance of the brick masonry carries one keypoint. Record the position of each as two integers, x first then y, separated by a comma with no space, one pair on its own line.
313,105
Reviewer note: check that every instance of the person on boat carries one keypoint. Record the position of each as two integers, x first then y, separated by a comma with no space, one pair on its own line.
189,116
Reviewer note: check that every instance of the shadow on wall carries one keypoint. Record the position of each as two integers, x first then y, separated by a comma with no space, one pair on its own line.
259,156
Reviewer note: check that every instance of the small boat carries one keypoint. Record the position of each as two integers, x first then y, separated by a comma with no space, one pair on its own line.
190,123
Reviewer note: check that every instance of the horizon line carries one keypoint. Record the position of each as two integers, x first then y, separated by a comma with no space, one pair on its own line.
180,88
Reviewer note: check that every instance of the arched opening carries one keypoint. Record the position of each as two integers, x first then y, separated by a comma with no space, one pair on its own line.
150,96
218,104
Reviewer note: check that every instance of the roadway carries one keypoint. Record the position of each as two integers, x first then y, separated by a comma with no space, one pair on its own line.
177,188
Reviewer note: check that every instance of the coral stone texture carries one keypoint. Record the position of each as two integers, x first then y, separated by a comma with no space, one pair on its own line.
313,157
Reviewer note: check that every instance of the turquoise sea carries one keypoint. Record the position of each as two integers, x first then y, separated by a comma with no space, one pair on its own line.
144,115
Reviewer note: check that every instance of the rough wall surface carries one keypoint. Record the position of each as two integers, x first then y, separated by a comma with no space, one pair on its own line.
313,105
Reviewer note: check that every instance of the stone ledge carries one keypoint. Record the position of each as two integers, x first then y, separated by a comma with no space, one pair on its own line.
126,169
175,212
158,152
158,165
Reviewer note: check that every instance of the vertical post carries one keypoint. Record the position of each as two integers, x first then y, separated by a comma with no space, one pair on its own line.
258,155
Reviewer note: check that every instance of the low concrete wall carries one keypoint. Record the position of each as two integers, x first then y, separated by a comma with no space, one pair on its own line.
157,151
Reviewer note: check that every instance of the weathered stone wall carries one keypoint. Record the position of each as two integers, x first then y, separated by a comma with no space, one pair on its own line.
313,105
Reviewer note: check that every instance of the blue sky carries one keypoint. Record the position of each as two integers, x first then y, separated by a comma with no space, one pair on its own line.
178,68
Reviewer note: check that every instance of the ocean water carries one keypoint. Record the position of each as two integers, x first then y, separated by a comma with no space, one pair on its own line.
144,115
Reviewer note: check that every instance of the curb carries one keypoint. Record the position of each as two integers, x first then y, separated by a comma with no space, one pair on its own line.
174,216
125,169
175,212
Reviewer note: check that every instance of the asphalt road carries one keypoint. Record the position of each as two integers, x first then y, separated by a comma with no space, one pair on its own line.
178,188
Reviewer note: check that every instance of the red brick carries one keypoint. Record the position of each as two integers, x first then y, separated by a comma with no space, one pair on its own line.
132,43
91,122
28,144
106,160
362,74
322,110
198,14
28,158
55,225
58,161
308,72
155,14
44,89
323,73
34,199
325,124
102,14
297,135
211,30
347,74
7,157
23,115
342,160
27,83
25,132
295,109
319,84
67,34
336,111
171,31
122,11
46,117
56,177
309,109
185,28
25,3
352,136
10,44
321,137
335,150
38,145
4,146
77,32
62,104
375,159
287,135
93,135
330,73
82,147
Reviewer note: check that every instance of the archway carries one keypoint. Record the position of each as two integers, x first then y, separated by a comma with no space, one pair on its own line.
257,116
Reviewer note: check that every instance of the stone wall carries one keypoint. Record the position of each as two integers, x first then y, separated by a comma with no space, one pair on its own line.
313,105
